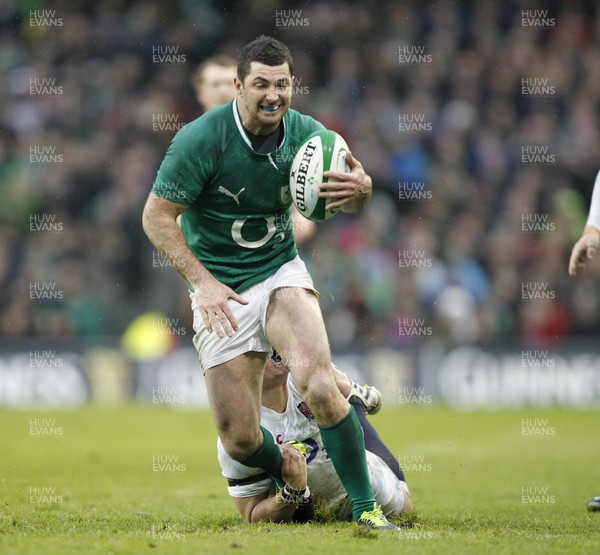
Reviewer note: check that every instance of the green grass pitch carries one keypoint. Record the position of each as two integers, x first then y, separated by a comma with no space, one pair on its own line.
144,479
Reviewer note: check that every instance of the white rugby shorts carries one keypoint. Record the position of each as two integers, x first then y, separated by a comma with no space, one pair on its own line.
251,318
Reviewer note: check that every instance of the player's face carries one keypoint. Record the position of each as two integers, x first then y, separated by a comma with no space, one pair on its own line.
264,97
217,87
274,372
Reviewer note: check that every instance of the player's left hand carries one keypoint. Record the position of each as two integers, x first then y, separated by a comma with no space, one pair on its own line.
585,249
293,467
350,190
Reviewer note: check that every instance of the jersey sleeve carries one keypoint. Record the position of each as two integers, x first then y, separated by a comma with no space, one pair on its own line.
594,215
242,481
189,163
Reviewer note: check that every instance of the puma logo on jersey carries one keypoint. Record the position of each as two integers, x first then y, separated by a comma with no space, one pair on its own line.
235,197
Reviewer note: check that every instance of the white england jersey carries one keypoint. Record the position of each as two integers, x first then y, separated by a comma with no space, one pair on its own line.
298,423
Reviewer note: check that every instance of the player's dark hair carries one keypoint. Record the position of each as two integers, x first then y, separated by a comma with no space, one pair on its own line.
266,50
276,357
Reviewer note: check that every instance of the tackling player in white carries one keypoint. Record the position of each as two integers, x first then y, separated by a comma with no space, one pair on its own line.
307,469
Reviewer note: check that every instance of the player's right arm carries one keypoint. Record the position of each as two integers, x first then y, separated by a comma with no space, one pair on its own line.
159,220
260,508
588,245
179,183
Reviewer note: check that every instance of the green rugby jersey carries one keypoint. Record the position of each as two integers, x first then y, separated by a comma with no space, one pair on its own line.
238,221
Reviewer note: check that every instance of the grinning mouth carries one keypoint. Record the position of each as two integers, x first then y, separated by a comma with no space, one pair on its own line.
270,108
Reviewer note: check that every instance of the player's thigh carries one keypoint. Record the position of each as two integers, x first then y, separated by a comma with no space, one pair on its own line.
234,392
295,328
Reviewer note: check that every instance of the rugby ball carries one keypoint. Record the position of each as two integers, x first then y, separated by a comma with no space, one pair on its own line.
322,151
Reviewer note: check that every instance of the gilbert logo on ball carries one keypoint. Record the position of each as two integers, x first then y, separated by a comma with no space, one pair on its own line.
322,151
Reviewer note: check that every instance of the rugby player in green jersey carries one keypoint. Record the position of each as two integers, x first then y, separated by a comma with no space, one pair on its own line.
226,174
214,84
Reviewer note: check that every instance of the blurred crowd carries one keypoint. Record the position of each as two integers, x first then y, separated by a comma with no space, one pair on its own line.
478,121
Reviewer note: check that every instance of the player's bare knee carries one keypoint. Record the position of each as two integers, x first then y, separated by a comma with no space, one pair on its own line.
240,446
308,364
319,390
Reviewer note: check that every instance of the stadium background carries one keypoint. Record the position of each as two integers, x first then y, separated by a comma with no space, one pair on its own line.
478,122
